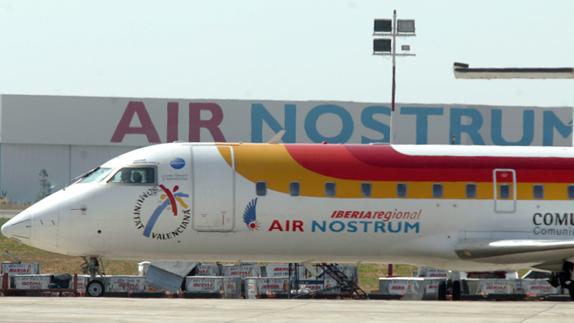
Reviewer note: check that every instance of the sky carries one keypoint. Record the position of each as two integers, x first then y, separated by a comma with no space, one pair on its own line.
282,49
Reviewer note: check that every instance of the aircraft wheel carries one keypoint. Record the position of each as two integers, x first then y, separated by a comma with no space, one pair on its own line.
441,295
95,288
571,290
456,290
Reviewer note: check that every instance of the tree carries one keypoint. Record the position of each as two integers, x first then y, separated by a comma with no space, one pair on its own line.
45,185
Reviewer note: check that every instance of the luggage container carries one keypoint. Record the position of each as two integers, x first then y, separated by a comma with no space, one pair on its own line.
539,288
21,268
232,287
241,270
256,287
273,287
276,271
204,284
413,288
125,284
486,287
430,272
36,285
207,270
213,286
26,282
504,289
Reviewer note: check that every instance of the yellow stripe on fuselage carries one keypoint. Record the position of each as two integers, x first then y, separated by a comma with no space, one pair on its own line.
272,164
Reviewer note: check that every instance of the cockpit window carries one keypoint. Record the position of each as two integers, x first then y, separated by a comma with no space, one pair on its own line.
135,175
95,175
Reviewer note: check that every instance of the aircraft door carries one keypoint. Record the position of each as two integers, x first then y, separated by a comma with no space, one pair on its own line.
504,187
213,188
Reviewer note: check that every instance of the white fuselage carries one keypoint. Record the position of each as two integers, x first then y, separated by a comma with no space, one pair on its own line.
210,223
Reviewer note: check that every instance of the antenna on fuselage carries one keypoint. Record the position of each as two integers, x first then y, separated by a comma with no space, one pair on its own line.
277,138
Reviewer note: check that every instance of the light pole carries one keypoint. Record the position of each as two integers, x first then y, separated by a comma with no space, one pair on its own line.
385,46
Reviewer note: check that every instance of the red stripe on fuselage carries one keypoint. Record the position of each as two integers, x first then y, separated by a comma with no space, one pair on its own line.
171,199
384,163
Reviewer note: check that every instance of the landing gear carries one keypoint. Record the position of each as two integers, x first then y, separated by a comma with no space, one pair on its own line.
95,286
564,278
91,266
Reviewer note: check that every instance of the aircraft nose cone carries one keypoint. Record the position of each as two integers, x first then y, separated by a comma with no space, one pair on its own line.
19,227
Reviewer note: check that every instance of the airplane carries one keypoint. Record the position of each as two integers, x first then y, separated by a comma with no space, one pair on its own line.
464,208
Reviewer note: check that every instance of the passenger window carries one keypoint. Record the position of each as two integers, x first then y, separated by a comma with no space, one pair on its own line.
471,191
366,189
437,190
538,191
294,188
571,191
330,189
504,191
135,175
401,190
261,188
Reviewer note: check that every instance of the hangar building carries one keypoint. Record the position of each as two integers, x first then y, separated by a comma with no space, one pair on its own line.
56,138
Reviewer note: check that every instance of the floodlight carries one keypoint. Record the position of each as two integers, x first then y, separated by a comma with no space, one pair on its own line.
406,26
382,45
383,26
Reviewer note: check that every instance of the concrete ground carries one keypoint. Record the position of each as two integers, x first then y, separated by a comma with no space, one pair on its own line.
83,309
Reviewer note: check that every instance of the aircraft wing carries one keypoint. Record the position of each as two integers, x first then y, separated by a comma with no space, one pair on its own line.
515,251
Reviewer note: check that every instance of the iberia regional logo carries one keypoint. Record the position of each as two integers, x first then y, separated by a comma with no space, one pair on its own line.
250,215
146,216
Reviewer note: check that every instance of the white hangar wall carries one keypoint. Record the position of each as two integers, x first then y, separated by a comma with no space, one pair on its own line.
21,164
66,136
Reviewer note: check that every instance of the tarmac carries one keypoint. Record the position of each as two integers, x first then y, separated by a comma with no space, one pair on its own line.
84,309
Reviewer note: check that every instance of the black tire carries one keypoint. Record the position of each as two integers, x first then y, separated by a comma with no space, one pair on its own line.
456,290
95,288
571,290
441,294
